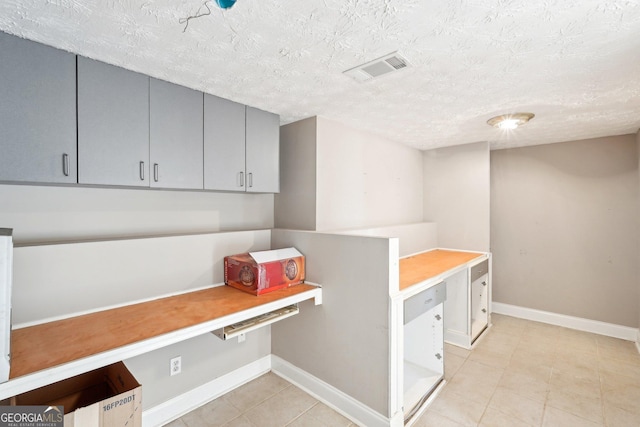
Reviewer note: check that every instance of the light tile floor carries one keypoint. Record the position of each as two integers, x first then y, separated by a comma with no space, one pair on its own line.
521,373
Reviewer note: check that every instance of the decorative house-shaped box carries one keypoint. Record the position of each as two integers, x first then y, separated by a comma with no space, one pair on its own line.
264,271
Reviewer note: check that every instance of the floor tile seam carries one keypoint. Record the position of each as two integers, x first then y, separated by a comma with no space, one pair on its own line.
577,415
486,405
619,407
239,416
635,414
620,360
303,412
588,395
511,415
528,397
464,396
602,401
244,411
448,417
504,371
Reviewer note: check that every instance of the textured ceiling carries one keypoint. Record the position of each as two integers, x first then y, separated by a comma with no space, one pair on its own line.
574,63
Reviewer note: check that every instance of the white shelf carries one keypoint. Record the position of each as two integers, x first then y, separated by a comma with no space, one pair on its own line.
418,382
42,377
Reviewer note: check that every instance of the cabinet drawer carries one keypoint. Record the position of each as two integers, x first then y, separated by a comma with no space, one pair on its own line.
479,270
424,301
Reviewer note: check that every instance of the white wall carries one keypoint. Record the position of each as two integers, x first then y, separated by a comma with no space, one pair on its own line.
64,214
47,213
413,238
364,180
456,195
564,232
204,358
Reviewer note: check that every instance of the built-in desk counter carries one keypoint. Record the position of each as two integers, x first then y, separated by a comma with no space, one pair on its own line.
468,289
434,300
419,268
53,351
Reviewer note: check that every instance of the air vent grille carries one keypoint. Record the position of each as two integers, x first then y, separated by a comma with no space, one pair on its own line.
396,62
378,67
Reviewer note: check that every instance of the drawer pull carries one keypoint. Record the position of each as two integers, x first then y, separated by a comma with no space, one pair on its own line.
484,310
438,317
438,356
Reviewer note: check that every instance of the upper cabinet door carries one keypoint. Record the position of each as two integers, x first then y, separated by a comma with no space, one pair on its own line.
113,125
37,112
263,151
176,136
224,144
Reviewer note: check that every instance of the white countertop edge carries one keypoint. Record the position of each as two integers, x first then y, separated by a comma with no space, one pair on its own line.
432,281
48,376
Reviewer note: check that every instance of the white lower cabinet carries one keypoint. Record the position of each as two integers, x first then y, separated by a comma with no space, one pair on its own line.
466,311
423,367
479,298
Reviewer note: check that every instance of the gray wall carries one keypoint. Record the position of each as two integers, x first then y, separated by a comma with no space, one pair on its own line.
345,341
564,228
295,205
456,195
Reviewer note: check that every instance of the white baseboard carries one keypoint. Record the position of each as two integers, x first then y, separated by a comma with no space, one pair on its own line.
581,324
638,341
346,405
187,402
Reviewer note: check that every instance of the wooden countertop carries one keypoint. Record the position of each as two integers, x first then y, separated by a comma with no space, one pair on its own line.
48,345
423,266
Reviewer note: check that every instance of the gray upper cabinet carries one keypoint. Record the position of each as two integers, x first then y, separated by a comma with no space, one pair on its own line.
263,151
113,125
241,147
37,112
224,144
176,136
70,119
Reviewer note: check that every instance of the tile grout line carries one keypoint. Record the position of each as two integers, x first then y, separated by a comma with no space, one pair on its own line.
302,413
500,379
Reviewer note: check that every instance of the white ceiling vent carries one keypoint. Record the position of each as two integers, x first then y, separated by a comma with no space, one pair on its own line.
378,67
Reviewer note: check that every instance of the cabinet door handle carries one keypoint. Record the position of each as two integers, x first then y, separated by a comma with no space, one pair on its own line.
250,179
438,356
155,172
241,179
484,283
141,171
65,164
484,310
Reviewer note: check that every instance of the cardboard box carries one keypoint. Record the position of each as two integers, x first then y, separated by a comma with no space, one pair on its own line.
105,397
265,271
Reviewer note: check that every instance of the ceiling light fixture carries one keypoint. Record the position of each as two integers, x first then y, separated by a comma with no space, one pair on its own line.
510,121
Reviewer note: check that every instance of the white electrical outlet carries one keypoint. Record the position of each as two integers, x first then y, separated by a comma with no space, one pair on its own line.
176,365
